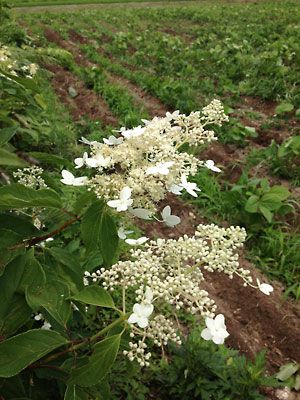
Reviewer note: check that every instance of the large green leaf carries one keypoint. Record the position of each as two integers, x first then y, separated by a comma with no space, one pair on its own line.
8,240
99,231
109,239
99,363
18,196
52,296
75,393
33,275
11,159
95,295
22,350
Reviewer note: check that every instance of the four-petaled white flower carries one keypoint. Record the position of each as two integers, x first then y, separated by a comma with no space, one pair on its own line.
98,161
112,140
142,311
211,165
129,133
264,287
69,179
81,161
190,187
140,315
123,202
137,242
141,213
215,329
169,219
160,168
122,233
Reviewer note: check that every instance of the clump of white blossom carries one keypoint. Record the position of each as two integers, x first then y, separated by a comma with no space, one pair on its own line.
137,169
10,64
170,272
31,177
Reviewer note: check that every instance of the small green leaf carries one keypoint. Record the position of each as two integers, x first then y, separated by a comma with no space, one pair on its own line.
266,213
284,107
95,295
22,350
251,205
6,134
286,371
75,393
99,363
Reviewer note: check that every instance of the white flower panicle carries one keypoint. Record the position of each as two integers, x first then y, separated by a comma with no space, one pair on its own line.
31,177
147,159
15,67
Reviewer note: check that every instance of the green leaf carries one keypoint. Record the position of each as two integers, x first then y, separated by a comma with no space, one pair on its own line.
109,239
17,314
280,191
52,296
266,213
6,134
50,159
286,371
17,196
33,275
284,107
99,363
297,113
95,295
8,240
22,350
99,231
75,393
11,159
251,205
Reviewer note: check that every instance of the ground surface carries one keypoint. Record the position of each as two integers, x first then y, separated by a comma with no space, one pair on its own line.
255,321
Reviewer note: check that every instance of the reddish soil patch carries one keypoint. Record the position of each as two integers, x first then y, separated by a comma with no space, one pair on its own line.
55,37
76,37
255,321
150,103
86,103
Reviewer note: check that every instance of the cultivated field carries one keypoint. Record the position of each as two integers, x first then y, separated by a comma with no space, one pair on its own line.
103,69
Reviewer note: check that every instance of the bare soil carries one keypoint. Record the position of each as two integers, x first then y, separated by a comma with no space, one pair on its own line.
86,104
153,106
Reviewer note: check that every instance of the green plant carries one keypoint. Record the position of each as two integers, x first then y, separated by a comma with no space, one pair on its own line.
201,370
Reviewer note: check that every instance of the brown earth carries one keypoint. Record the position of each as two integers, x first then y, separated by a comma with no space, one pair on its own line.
153,106
86,104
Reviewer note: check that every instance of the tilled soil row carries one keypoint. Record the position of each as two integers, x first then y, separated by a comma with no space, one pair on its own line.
141,98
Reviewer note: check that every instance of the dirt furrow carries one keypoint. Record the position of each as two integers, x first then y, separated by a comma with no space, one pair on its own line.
83,103
151,104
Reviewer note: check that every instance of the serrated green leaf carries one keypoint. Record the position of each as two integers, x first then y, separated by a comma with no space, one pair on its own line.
99,363
52,296
96,296
17,196
22,350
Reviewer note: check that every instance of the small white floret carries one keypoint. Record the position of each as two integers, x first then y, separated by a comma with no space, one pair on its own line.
169,219
215,329
211,165
264,287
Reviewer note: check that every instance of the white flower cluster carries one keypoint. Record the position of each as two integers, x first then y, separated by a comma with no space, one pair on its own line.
172,272
31,177
46,325
15,67
137,169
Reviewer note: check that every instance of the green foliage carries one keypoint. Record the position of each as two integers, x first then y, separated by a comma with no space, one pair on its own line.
202,370
22,350
290,375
